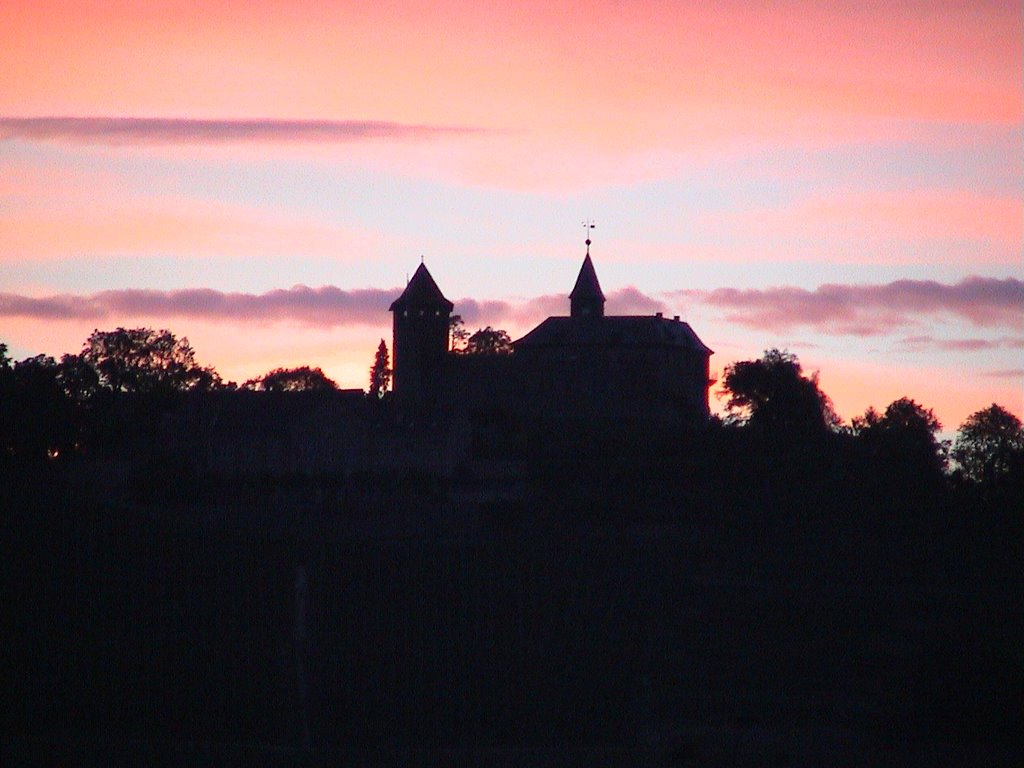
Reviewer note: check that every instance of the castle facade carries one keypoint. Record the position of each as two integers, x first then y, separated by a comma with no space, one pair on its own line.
586,368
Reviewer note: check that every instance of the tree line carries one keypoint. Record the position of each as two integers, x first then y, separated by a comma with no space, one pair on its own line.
771,396
143,360
771,399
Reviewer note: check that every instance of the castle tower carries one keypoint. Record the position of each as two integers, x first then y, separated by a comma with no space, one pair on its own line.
587,299
420,341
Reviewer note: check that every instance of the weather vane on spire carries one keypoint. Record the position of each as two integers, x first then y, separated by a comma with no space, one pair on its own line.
587,226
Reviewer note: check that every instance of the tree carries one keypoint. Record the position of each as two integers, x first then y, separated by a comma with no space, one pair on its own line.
904,437
459,334
861,425
489,341
6,372
989,444
303,379
37,420
5,369
380,372
773,394
144,360
77,378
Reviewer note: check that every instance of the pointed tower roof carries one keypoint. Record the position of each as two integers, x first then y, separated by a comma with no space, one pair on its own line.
422,291
587,286
586,299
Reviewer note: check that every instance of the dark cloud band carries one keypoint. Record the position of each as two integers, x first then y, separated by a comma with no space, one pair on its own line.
866,310
837,309
326,307
158,130
1008,373
913,343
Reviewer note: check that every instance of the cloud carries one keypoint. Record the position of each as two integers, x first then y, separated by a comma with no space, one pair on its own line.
63,307
630,301
527,312
917,343
323,307
533,310
326,307
475,312
1009,373
862,310
161,130
625,301
868,310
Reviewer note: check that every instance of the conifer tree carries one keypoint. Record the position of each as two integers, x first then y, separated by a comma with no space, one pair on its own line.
380,372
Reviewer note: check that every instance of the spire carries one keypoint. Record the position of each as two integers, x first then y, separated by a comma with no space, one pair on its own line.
587,226
422,291
587,299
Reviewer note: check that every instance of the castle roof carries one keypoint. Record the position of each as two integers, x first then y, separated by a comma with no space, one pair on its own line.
421,291
619,331
587,286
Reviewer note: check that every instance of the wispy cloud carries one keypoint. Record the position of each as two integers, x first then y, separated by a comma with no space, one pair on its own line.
324,307
867,310
630,301
862,310
475,312
918,343
624,301
327,306
163,130
1009,373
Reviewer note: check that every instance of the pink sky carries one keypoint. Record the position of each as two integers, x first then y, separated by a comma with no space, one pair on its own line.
175,145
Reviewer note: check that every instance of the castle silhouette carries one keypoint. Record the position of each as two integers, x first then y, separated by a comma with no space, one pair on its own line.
584,369
586,385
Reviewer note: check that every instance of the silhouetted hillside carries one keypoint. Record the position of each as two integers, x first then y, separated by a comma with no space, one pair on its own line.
238,577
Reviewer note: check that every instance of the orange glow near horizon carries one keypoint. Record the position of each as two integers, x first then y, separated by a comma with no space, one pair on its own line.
848,383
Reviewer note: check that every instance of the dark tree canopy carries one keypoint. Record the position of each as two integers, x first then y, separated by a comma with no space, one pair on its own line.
772,393
77,378
489,341
303,379
144,360
989,444
36,419
380,372
905,433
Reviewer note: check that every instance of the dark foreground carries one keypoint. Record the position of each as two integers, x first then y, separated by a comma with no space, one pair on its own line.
570,627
